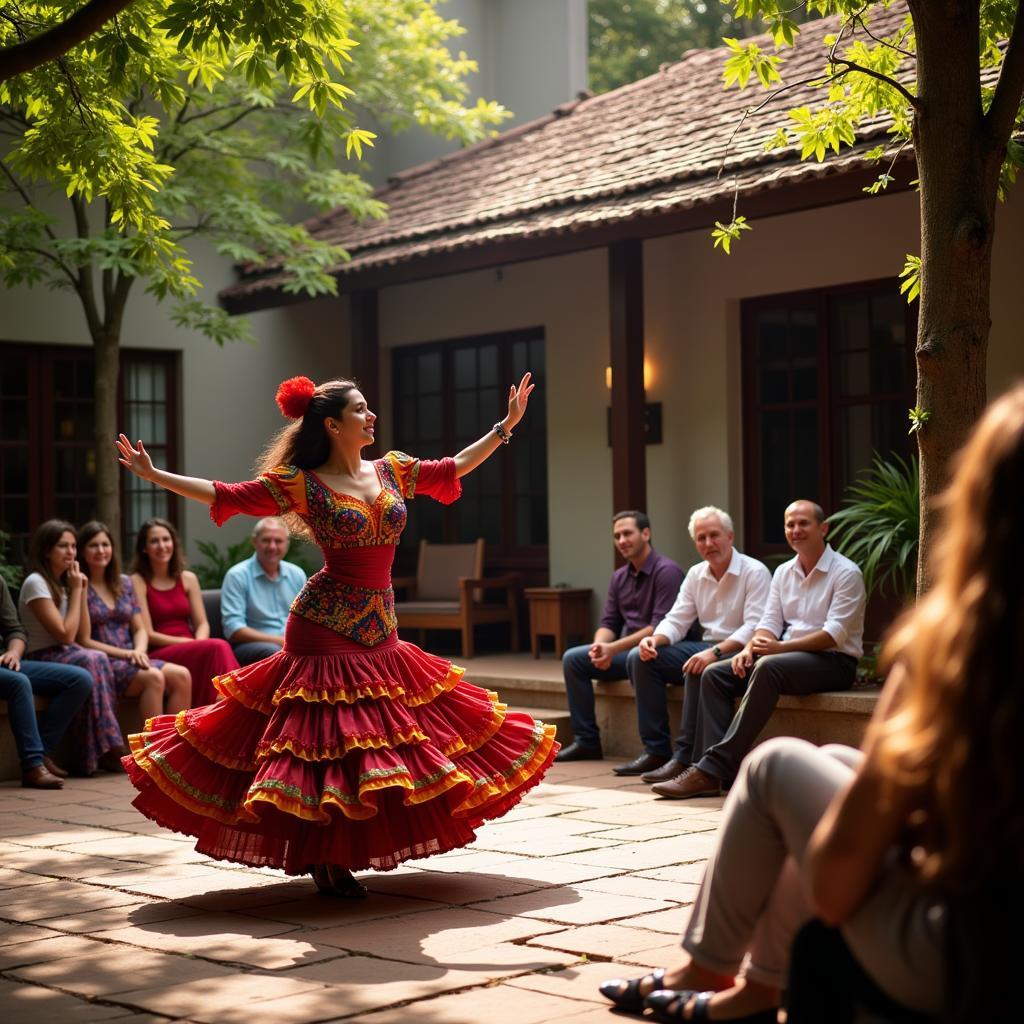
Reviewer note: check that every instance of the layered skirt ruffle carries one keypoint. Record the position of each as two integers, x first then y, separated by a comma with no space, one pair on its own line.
331,752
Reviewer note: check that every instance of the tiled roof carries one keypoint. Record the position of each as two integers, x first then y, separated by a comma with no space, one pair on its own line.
649,148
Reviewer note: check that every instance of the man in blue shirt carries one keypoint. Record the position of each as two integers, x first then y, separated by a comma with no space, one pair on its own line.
257,593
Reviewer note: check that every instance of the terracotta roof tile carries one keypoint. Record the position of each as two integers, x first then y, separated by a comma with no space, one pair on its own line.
645,149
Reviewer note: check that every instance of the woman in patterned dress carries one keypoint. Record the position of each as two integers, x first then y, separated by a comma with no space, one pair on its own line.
350,748
111,622
50,606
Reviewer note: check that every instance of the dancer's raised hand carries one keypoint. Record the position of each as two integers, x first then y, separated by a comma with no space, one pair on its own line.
135,459
517,399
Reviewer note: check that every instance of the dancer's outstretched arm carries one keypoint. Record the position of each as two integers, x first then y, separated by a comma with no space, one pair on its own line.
138,461
479,451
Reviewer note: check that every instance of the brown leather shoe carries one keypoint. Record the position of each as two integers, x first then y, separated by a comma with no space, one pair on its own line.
40,778
53,768
692,782
667,772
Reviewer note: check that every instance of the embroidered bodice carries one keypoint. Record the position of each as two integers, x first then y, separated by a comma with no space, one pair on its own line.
352,594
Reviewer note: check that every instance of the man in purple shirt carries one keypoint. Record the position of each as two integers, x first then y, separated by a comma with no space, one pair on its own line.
639,596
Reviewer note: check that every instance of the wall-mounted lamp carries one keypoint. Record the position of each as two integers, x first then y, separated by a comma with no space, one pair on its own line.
648,376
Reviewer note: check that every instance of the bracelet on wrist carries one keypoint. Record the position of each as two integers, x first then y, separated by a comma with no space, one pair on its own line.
502,433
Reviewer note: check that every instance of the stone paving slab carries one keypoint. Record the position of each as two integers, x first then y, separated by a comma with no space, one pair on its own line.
106,917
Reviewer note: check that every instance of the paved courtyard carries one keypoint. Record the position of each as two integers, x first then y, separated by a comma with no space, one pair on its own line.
105,917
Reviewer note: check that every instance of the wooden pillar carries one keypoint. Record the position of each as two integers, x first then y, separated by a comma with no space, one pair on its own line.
626,323
364,321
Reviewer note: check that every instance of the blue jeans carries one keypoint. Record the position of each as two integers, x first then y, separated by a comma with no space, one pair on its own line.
254,650
649,679
579,674
68,688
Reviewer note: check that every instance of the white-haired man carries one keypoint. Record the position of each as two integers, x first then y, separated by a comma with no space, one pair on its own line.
257,593
726,593
808,640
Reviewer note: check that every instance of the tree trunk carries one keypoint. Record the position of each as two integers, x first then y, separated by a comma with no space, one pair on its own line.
958,171
106,346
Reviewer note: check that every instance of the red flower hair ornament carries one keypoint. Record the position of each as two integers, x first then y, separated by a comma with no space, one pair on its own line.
294,395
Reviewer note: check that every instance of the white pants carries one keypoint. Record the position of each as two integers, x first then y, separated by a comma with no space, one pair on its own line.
754,896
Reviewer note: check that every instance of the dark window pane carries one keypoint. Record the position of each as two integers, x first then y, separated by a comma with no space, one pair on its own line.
64,421
803,332
467,519
467,419
776,471
14,376
491,409
14,420
15,515
15,470
853,371
429,372
851,324
407,376
489,526
66,469
805,459
805,380
888,366
64,378
539,465
855,447
488,366
773,335
774,386
888,319
890,427
429,419
465,368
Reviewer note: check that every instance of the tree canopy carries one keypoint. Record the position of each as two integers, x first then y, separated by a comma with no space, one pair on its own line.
949,79
228,119
630,40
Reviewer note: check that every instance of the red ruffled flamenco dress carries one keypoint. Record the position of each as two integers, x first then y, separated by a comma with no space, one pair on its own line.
350,746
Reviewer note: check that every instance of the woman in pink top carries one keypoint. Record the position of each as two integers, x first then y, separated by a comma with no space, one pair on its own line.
172,610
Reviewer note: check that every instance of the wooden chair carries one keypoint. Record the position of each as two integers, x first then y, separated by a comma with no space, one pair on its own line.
447,592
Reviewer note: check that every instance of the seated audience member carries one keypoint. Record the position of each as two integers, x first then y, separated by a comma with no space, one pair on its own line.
639,596
808,640
171,604
257,594
66,686
50,607
726,593
919,864
112,623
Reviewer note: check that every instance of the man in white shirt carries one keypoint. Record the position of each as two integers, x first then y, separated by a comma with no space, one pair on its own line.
726,593
808,640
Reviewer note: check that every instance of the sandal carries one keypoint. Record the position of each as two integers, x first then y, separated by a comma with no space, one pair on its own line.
333,880
668,1005
625,994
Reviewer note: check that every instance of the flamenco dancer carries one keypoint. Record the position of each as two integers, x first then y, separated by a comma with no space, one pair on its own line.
350,748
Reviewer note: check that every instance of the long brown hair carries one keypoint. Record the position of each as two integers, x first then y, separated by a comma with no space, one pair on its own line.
112,571
956,735
141,563
44,540
304,443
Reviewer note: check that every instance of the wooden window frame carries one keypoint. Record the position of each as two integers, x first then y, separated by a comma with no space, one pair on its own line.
828,401
41,401
533,558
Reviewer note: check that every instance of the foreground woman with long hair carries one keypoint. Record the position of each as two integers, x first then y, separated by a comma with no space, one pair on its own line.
915,848
350,748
